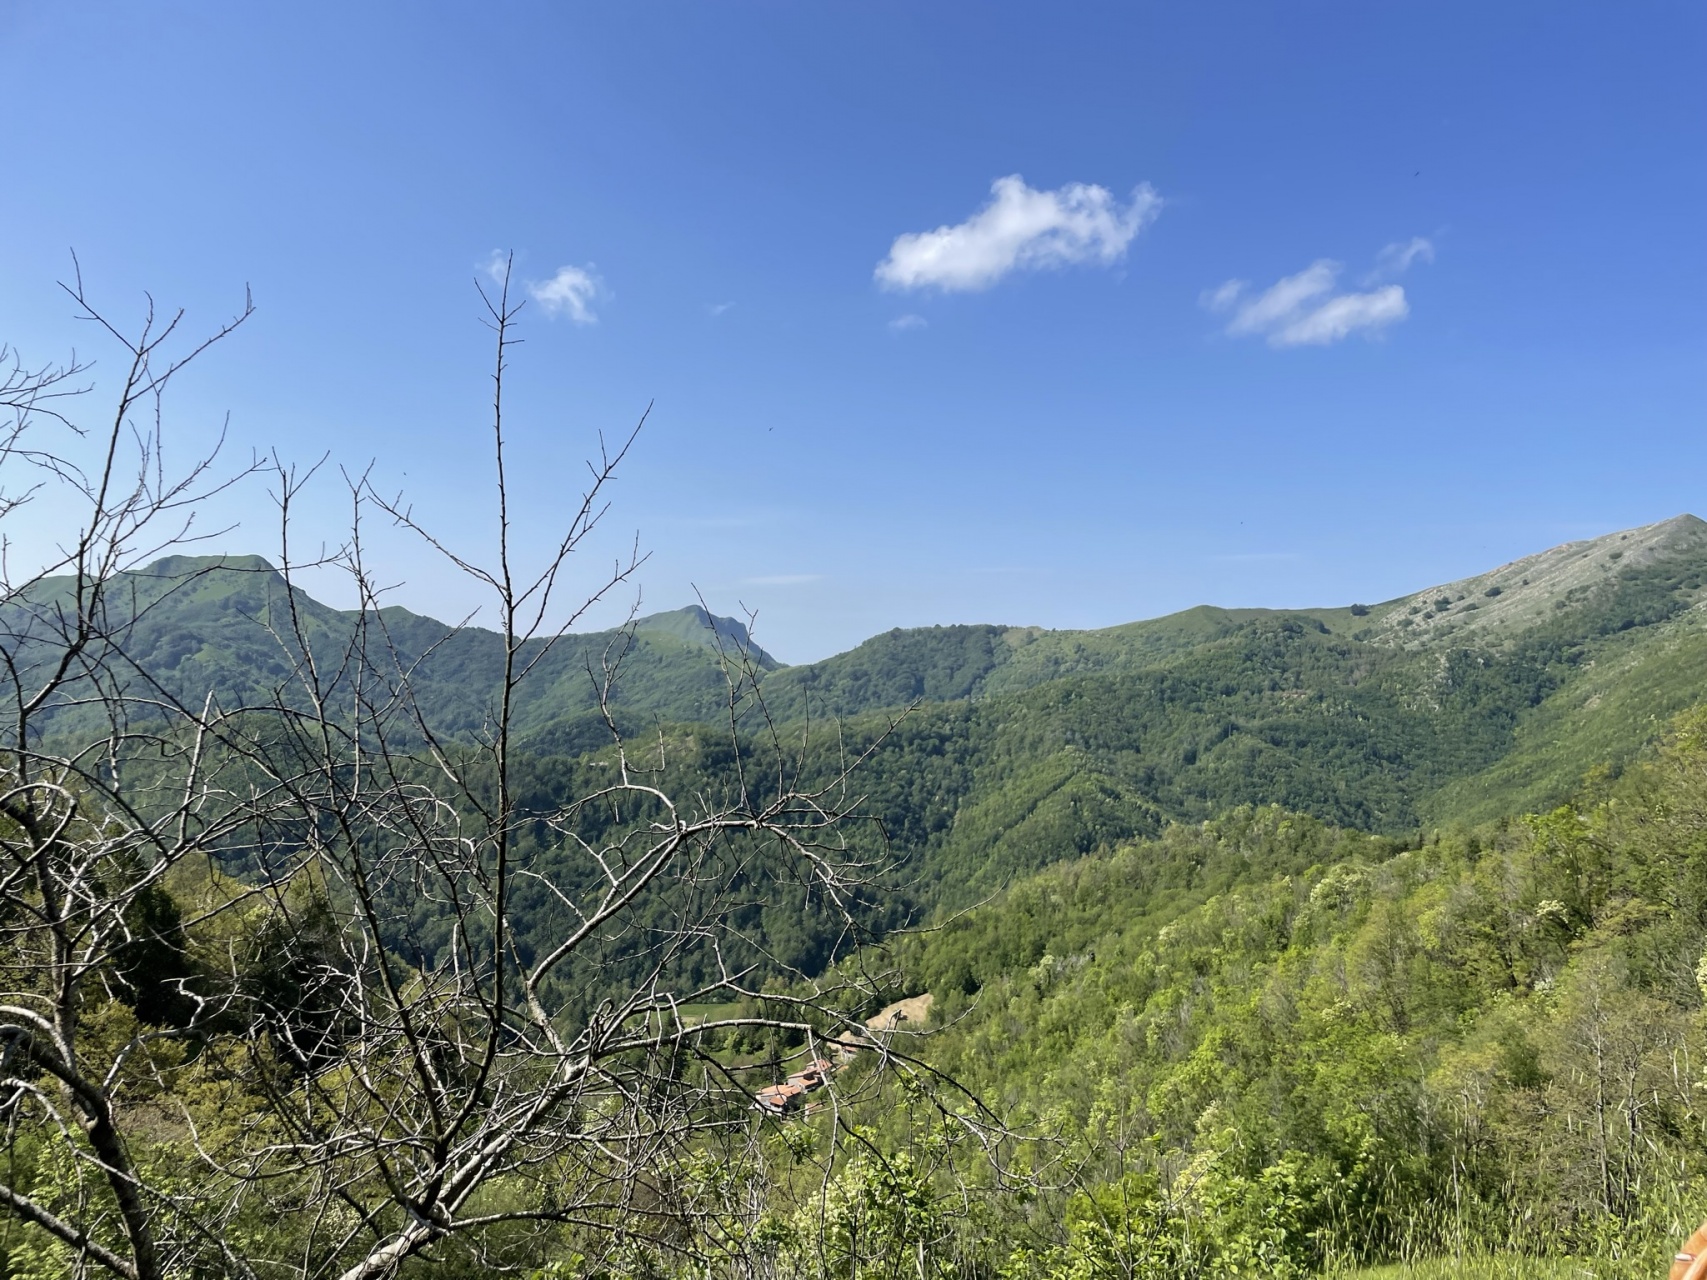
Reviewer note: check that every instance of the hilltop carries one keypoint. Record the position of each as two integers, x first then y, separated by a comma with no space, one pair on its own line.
1501,604
1559,588
1486,695
232,626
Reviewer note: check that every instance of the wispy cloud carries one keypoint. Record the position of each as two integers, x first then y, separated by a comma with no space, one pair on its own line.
782,580
715,309
569,293
1396,259
1224,297
1021,228
1306,310
900,324
1342,316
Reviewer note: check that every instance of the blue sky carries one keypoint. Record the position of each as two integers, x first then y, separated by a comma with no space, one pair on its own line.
933,301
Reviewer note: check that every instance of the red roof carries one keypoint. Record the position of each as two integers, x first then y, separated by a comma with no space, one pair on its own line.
778,1097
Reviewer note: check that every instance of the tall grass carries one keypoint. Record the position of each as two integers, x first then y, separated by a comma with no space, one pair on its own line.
1517,1240
1492,1267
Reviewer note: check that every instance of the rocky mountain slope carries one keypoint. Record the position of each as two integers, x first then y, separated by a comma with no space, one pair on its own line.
1497,606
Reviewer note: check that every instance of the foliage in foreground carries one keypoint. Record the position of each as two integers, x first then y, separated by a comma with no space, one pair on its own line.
1260,1045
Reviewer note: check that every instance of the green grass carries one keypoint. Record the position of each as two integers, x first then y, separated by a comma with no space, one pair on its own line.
1498,1267
706,1011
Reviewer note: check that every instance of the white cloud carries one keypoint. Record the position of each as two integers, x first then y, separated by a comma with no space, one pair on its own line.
570,292
715,309
1285,300
1020,228
1304,310
1343,316
1224,297
902,323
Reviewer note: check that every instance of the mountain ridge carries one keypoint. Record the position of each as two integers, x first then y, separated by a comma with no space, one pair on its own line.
978,660
1372,716
1031,746
1521,592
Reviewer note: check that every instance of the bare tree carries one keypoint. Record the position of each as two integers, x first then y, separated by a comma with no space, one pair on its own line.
229,1046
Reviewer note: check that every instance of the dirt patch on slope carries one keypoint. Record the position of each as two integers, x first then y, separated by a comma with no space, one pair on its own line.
915,1010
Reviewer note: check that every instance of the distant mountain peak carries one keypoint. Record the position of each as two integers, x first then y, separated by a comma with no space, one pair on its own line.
695,626
184,566
692,625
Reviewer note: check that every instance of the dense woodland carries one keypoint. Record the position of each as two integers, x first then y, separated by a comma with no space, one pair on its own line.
1265,1043
1258,943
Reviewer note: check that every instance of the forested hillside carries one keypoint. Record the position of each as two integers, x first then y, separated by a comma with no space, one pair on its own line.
1024,747
1324,713
1501,688
1264,1045
1256,942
